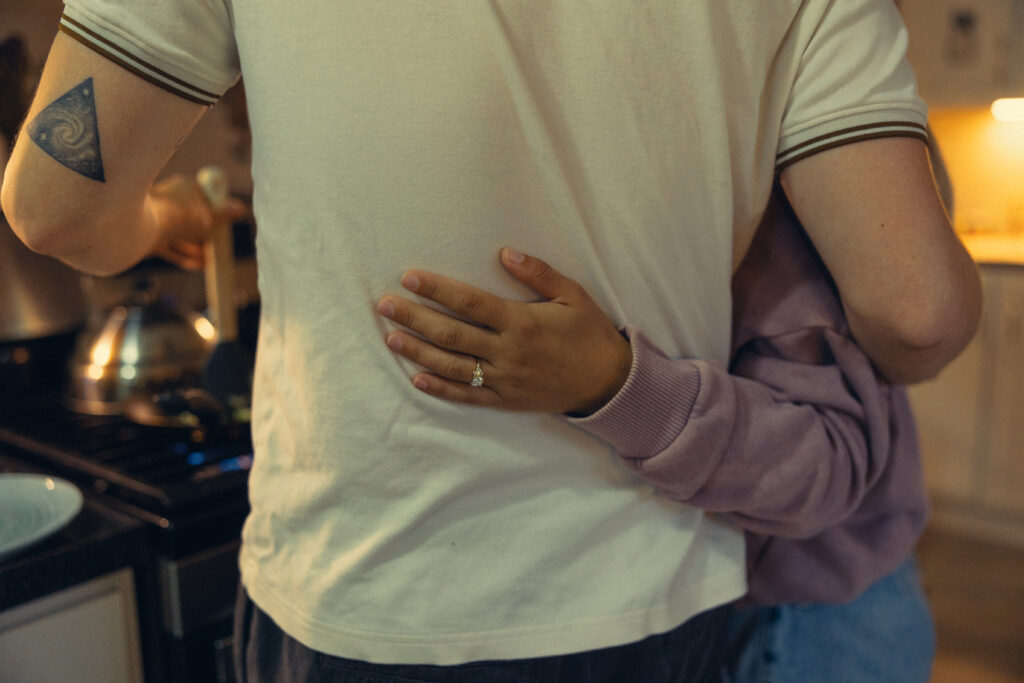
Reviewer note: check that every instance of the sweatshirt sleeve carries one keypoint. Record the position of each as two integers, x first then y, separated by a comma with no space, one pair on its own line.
786,445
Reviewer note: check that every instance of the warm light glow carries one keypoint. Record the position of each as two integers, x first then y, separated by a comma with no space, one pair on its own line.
128,372
985,158
94,372
205,328
1008,109
102,352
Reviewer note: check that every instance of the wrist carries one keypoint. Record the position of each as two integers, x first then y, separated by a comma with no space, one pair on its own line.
618,369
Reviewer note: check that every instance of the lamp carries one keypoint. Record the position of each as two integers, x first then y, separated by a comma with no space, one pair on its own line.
1008,109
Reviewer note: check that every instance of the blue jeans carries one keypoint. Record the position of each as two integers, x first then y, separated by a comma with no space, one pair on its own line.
886,635
692,653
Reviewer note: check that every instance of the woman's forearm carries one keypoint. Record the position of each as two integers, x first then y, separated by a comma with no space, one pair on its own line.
789,459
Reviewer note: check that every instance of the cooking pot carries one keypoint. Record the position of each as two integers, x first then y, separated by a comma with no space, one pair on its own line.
150,345
39,296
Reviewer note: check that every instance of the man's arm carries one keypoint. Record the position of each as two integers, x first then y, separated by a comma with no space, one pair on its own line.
911,292
94,140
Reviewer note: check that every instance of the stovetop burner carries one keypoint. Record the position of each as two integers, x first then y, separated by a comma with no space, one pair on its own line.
158,469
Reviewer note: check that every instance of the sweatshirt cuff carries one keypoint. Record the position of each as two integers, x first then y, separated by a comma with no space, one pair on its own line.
651,408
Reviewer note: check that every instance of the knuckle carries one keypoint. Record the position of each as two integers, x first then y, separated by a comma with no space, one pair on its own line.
449,336
404,315
542,269
518,316
452,369
527,328
532,327
427,288
469,301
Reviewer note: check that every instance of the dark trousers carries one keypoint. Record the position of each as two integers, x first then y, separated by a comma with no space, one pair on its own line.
691,653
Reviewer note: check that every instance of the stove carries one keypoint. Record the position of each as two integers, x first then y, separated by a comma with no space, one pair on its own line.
189,485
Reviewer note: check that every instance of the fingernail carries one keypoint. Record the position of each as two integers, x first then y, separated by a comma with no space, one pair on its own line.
420,384
513,255
410,282
394,342
386,308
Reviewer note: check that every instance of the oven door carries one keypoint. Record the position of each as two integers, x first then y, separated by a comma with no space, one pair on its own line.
197,594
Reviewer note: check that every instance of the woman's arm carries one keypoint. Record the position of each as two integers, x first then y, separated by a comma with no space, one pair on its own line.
559,355
781,446
785,451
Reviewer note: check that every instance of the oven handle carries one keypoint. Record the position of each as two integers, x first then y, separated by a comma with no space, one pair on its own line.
198,589
223,659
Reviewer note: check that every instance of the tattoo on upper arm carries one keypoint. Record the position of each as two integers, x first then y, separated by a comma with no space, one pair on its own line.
67,130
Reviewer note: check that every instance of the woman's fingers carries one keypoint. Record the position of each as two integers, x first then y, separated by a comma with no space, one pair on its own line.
443,330
556,356
454,366
538,275
450,374
468,301
457,392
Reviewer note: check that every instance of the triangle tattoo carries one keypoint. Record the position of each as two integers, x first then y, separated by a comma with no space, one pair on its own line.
67,130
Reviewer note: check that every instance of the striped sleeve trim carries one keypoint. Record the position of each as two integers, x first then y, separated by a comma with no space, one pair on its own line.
795,151
133,63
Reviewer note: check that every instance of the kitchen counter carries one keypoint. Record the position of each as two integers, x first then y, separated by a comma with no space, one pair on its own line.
995,248
98,541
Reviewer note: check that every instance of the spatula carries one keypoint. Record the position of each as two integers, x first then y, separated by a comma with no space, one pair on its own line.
229,366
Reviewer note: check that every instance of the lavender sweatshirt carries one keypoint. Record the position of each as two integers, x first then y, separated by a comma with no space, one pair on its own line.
799,443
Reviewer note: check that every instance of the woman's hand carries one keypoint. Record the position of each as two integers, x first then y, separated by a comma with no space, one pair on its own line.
185,219
561,355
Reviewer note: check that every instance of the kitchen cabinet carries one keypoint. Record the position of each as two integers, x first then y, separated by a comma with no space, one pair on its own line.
1004,474
966,52
971,420
87,633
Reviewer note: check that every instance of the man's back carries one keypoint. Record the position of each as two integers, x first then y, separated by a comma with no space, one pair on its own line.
634,145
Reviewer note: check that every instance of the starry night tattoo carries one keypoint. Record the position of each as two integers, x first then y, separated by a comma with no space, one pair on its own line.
67,131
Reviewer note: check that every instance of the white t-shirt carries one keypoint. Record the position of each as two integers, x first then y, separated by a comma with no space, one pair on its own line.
630,144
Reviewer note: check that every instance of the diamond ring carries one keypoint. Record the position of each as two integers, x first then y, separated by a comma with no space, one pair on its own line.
478,376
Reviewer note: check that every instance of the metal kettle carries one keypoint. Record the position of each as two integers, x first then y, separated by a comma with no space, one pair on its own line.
151,344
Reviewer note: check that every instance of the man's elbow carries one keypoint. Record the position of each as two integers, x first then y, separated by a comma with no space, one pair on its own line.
920,361
56,229
30,221
933,333
956,315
